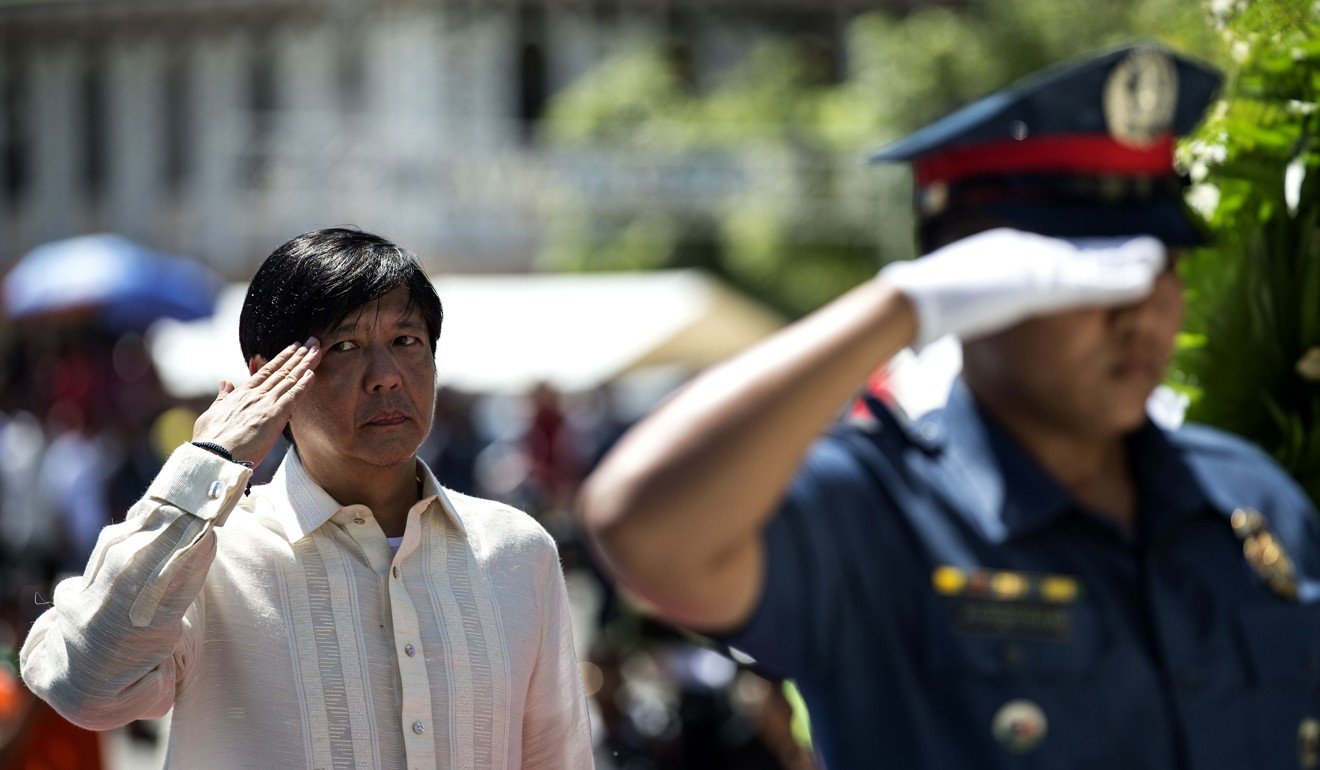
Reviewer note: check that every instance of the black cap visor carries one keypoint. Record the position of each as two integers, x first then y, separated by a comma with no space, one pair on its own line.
1173,222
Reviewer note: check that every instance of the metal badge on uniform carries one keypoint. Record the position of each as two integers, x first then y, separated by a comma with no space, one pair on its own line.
1308,743
1019,725
1264,553
934,199
1007,603
1141,97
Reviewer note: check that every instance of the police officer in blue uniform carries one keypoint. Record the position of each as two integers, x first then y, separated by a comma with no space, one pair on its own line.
1037,575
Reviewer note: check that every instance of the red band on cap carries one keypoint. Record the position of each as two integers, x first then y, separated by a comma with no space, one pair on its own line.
1065,154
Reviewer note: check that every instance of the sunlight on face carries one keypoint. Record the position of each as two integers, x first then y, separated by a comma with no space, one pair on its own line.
373,396
1088,371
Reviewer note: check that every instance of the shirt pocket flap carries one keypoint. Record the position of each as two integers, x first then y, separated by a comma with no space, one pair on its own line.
1282,642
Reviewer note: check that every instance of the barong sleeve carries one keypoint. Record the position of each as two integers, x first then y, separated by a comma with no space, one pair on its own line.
121,639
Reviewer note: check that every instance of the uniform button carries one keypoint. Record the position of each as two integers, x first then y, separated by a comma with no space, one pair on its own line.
217,489
1308,743
410,650
359,520
930,431
396,572
1020,725
419,728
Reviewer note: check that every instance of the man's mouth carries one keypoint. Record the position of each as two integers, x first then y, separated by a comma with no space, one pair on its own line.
1139,367
388,418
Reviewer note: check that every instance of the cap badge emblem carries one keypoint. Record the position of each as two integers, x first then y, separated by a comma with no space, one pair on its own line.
1140,98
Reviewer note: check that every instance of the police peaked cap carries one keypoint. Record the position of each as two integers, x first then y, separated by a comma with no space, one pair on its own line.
1081,149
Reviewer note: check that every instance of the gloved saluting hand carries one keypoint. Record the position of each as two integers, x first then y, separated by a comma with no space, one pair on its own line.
992,280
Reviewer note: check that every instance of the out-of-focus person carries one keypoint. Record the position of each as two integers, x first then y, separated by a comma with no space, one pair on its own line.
1036,575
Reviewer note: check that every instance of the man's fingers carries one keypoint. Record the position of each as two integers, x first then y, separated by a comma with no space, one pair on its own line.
220,393
275,378
263,374
289,397
305,360
1113,271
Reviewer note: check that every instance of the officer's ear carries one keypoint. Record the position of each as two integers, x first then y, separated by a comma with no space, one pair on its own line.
255,363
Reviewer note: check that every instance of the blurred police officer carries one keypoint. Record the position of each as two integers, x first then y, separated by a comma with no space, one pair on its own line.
1036,575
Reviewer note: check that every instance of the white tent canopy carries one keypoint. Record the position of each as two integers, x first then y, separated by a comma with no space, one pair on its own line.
506,333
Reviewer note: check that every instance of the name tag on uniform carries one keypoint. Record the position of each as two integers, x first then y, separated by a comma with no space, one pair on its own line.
1011,619
1007,603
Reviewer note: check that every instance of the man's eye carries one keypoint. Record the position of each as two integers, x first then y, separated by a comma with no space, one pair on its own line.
406,340
343,346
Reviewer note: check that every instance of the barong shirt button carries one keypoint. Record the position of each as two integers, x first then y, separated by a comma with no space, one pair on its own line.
410,650
419,728
216,491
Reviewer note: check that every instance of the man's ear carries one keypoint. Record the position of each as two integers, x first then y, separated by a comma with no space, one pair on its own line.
255,363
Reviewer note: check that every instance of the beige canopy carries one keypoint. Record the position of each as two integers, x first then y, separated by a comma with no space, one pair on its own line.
508,332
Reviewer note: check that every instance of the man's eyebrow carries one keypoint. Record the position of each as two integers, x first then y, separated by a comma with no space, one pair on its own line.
409,321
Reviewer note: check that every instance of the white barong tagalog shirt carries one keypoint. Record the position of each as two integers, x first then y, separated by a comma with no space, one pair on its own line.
292,637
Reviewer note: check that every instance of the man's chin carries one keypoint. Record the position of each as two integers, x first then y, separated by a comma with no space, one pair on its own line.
1105,420
1122,419
384,451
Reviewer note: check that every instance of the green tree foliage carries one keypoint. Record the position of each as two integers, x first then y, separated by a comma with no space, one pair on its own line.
1251,358
793,215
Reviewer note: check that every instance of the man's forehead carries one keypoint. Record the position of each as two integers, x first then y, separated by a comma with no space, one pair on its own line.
398,314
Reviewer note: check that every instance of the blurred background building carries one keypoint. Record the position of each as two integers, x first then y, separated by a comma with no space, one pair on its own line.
217,128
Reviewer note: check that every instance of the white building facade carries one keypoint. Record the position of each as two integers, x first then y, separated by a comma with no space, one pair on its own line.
220,128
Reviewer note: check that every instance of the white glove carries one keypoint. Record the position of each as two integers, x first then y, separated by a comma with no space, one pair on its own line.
992,280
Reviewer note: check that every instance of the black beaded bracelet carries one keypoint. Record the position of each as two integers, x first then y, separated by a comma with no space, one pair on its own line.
216,449
225,454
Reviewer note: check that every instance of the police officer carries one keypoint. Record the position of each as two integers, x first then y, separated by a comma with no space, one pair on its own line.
1036,576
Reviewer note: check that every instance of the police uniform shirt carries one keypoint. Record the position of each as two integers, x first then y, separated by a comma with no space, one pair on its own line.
942,602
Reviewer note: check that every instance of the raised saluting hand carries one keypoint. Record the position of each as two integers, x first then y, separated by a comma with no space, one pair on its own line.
994,279
247,420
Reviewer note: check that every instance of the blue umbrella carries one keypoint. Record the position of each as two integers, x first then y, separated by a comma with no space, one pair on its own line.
115,282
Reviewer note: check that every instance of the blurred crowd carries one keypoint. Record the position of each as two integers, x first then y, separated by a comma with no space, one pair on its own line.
85,424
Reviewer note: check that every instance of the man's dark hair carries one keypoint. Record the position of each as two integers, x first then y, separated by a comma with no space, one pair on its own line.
315,281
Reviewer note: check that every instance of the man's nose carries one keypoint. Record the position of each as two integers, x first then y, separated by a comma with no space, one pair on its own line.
1156,312
382,371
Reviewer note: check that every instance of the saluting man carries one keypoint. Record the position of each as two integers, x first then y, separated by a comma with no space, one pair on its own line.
351,613
1036,575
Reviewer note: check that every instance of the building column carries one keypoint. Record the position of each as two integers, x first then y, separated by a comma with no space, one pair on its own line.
218,92
485,60
305,134
54,115
636,25
406,127
135,137
574,43
720,44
